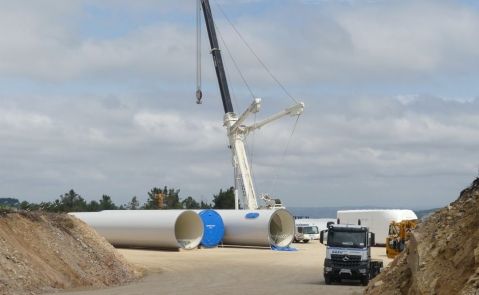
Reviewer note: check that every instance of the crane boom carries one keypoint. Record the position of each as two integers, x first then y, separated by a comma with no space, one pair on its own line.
242,170
237,132
216,53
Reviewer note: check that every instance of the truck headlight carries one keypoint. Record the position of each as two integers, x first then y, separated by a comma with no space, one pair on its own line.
362,270
328,269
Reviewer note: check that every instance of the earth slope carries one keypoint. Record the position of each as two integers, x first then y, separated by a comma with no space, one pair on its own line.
442,256
42,252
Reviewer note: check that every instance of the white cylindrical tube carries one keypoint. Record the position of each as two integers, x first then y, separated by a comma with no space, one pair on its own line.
263,228
147,228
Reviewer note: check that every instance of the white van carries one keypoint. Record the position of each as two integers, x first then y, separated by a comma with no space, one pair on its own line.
305,233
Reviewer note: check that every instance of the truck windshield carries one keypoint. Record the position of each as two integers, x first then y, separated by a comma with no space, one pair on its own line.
311,230
347,239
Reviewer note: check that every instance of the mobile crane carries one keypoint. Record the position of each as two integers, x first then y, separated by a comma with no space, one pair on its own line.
236,130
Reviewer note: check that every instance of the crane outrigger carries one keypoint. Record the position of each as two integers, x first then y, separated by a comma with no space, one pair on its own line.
236,130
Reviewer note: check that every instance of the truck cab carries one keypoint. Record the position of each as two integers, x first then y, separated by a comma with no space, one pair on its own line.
305,233
348,254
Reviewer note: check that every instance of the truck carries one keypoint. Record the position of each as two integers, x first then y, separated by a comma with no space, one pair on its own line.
348,254
305,233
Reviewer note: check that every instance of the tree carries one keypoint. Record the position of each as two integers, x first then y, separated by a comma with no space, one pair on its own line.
134,204
48,206
107,204
224,200
153,201
54,206
204,205
166,198
28,206
94,206
171,199
71,202
190,203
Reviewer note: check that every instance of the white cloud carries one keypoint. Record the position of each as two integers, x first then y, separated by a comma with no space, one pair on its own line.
188,132
114,116
370,41
336,141
385,39
401,35
17,119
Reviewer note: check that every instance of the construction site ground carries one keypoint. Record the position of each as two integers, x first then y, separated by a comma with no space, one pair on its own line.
232,271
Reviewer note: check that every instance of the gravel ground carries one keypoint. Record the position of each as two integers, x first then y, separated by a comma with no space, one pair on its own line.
232,271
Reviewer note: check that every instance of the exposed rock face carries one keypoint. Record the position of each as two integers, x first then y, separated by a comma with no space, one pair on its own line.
442,256
42,252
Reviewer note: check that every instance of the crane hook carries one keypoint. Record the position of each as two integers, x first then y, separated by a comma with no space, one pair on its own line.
199,96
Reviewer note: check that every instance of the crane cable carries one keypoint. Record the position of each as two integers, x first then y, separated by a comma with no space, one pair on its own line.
255,54
199,93
198,57
275,178
235,63
232,87
242,77
245,82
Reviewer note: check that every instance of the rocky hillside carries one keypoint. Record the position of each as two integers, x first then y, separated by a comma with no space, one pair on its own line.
443,255
42,252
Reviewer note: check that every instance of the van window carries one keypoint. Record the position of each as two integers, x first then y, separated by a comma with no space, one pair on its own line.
311,230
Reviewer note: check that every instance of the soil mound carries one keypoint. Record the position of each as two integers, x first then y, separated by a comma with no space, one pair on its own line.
442,256
42,252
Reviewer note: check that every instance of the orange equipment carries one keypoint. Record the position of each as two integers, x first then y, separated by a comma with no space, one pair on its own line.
399,233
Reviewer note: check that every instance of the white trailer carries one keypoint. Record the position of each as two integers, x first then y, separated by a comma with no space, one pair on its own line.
376,220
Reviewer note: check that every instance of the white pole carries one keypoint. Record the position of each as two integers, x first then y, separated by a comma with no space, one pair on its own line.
236,200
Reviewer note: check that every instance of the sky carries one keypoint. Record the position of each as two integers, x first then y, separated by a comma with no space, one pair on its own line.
99,96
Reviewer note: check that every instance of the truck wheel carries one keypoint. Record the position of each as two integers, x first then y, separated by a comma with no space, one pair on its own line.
327,280
364,281
305,241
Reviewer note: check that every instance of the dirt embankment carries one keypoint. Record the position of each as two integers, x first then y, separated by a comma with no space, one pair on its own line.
442,256
42,252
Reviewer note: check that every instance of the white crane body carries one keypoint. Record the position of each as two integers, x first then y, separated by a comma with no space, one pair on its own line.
236,130
237,133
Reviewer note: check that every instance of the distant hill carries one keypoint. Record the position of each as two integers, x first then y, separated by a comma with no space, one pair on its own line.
9,202
330,212
421,214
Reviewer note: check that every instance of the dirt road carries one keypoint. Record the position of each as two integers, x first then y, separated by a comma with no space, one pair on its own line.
232,271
